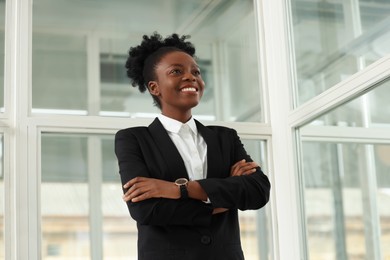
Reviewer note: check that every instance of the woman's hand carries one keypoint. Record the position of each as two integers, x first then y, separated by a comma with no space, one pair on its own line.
219,210
142,188
243,168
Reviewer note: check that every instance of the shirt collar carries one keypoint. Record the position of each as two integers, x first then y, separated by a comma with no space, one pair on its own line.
174,126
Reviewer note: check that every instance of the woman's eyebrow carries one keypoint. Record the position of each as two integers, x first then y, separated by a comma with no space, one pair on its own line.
176,65
182,65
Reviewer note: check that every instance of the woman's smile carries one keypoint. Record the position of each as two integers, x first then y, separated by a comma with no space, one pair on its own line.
189,89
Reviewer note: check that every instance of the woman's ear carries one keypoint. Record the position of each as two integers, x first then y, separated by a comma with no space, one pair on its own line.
153,88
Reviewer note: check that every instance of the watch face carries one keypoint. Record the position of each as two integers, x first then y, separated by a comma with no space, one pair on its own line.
181,181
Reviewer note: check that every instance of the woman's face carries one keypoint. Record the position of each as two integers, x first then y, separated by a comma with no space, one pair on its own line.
179,84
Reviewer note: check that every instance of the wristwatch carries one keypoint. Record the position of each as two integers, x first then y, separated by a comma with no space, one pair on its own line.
182,183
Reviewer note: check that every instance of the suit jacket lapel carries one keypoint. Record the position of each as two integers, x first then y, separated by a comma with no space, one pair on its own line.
168,150
214,153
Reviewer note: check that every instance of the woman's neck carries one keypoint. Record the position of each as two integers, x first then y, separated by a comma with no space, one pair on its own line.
182,117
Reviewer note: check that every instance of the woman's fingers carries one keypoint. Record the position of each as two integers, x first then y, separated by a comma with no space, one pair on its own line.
236,167
133,181
248,168
142,188
243,168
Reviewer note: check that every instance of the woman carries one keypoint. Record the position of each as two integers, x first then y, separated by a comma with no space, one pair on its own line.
183,182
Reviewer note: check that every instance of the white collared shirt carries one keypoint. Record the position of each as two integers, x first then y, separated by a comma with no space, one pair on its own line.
193,151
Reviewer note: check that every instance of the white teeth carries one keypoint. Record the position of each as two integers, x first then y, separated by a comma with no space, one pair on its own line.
188,89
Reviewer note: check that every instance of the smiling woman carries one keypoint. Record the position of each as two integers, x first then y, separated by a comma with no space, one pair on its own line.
78,53
183,182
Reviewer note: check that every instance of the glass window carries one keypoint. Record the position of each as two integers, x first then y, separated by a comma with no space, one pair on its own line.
346,200
80,48
346,182
59,69
65,197
81,195
2,247
119,233
335,39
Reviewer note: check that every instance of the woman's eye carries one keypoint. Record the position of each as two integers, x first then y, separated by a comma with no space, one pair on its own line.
175,71
197,72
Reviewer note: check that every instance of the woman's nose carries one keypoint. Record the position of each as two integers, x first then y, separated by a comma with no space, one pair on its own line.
189,77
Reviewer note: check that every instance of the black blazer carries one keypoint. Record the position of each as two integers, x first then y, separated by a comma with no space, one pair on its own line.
186,229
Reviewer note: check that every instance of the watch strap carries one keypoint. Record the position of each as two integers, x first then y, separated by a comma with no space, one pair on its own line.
183,192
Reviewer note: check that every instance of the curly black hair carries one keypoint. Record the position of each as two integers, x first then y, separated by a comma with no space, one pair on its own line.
142,59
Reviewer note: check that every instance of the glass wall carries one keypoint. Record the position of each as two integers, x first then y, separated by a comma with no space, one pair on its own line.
82,207
79,51
83,213
335,39
345,170
346,180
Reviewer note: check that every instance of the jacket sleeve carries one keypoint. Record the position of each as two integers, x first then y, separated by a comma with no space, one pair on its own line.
158,211
238,192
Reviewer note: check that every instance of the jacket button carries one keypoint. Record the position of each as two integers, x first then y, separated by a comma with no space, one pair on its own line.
205,240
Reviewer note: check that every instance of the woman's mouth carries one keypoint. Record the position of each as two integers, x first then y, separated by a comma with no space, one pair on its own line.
189,89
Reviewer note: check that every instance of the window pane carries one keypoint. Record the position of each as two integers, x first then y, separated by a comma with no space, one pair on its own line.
64,197
256,226
346,200
59,73
82,206
347,182
119,229
74,52
335,39
2,26
2,253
